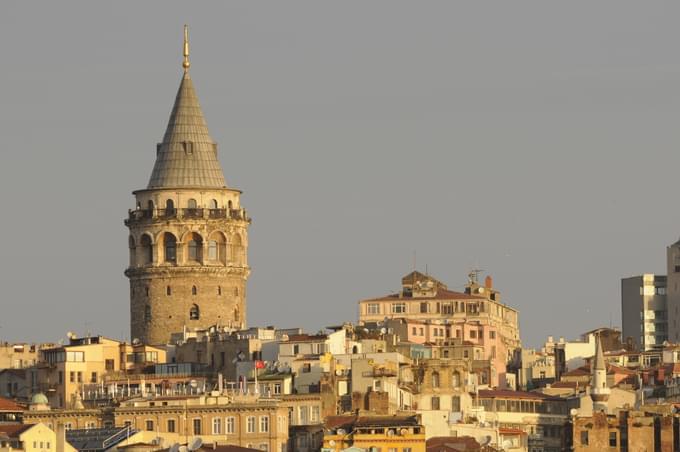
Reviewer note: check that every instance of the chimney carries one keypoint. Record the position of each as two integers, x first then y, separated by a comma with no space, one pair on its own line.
488,282
61,437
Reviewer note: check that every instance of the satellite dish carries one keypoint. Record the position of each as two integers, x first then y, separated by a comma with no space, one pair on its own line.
390,432
341,431
174,448
135,341
573,411
507,444
193,384
183,448
403,431
383,331
486,441
331,443
195,444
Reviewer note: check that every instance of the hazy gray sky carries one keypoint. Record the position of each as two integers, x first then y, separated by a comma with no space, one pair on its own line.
537,141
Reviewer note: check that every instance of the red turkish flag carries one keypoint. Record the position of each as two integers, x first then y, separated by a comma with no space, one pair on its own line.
259,364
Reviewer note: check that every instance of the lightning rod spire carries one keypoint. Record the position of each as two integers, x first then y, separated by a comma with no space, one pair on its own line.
186,63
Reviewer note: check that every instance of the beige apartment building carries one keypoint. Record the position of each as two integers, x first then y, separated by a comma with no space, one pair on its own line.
243,420
64,373
188,233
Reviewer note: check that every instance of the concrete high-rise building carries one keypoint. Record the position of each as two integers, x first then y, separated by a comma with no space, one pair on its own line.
644,310
673,291
188,233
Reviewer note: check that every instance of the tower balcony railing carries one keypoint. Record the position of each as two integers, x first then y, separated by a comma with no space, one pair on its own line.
192,213
145,215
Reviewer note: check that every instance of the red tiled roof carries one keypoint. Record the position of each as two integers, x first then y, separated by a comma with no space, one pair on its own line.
334,422
578,372
306,338
13,430
442,294
10,405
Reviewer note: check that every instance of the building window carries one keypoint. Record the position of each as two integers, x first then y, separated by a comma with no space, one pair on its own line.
306,368
170,247
93,377
492,335
147,313
217,426
455,403
171,426
264,424
473,334
147,250
373,308
72,377
316,413
250,424
415,331
219,290
612,439
435,403
277,388
192,203
195,248
168,290
149,425
194,313
423,307
584,438
398,308
230,425
194,290
435,379
197,426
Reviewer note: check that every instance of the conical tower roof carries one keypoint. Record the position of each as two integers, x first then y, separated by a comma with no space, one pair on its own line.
598,363
187,156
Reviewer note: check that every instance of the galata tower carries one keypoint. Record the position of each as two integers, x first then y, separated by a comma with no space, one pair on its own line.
188,233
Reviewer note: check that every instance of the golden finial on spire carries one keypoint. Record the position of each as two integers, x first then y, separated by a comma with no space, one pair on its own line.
186,63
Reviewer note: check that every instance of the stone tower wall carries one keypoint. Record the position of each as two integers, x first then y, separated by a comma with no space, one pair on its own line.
196,292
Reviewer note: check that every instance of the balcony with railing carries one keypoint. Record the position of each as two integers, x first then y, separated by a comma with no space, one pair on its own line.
149,215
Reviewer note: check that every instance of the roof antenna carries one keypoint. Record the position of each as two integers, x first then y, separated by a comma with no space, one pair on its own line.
186,63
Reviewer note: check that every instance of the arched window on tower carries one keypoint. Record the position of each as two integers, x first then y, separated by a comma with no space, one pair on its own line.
237,252
219,290
170,243
195,248
217,248
169,208
230,205
237,315
131,245
168,290
147,313
146,251
194,313
194,290
150,206
213,204
192,203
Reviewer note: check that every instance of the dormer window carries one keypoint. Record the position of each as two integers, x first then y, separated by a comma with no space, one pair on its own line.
188,147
